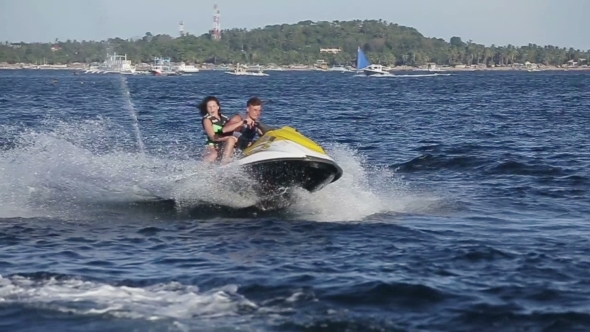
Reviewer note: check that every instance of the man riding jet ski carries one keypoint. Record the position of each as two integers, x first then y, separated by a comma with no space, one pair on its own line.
245,127
280,158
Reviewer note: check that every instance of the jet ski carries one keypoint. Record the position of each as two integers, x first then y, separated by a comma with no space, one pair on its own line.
280,161
284,158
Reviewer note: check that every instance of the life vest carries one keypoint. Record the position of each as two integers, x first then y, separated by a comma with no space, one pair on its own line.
246,135
217,127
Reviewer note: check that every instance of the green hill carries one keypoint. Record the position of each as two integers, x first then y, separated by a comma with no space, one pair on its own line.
383,42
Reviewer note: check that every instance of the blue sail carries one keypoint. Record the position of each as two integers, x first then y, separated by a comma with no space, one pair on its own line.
361,59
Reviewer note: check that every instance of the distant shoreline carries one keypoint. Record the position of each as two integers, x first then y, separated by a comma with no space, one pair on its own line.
287,69
298,44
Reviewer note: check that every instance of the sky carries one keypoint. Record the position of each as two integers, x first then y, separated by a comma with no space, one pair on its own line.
499,22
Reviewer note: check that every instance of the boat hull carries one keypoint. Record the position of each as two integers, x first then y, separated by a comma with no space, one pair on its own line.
246,73
375,73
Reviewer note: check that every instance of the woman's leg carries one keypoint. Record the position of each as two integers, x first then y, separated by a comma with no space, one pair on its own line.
228,149
210,154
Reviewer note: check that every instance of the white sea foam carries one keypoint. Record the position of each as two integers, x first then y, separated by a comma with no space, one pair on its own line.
62,170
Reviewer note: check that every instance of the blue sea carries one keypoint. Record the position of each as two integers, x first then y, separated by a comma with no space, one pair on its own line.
464,205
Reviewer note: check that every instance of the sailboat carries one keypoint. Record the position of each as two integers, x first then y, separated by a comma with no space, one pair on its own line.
362,63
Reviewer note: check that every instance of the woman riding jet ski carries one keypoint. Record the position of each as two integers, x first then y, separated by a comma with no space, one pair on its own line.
213,121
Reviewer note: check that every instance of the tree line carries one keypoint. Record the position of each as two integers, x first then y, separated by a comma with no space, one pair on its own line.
300,43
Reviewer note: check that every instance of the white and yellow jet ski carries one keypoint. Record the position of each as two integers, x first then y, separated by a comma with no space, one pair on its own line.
279,161
284,158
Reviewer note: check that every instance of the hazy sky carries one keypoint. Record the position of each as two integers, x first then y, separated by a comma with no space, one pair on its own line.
500,22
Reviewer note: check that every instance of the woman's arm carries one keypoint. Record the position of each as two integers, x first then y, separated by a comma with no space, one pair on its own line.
208,125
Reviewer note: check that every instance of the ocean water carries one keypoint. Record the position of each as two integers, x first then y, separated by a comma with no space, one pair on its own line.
464,205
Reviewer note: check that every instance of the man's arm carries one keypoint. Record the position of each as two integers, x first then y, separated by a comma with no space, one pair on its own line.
233,124
208,125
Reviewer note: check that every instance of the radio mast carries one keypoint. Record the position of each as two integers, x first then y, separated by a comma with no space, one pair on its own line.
216,31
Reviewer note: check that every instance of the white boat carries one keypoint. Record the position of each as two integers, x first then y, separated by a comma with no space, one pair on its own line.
434,68
363,64
162,67
276,68
240,71
114,64
531,67
338,68
186,69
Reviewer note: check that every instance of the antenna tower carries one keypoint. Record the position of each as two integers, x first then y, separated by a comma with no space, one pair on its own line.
181,28
216,31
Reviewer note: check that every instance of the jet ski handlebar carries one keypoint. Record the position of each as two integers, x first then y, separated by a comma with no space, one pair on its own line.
264,128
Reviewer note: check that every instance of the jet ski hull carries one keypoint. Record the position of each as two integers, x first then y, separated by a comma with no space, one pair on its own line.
310,173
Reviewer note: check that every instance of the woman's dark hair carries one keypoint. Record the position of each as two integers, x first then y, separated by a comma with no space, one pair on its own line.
203,105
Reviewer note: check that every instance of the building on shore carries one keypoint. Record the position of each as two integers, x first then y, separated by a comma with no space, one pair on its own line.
331,50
